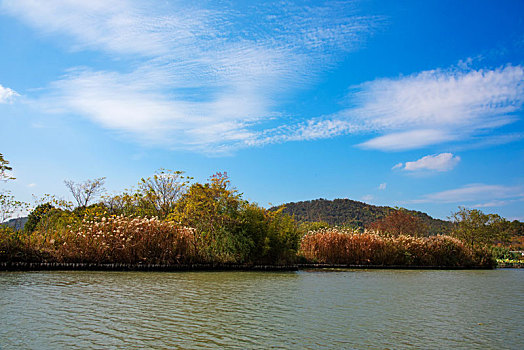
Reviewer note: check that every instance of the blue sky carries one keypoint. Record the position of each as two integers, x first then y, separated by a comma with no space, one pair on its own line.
416,104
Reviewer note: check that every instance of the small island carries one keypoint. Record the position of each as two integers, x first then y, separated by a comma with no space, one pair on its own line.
169,223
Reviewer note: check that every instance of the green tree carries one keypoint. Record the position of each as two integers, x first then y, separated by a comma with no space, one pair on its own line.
36,215
129,203
213,210
516,228
229,229
159,193
477,229
283,238
275,236
156,196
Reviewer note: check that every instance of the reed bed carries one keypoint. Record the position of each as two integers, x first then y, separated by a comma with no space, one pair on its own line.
342,246
123,239
126,240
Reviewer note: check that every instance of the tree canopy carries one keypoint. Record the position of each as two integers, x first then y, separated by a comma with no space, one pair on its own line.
399,222
476,228
354,214
161,191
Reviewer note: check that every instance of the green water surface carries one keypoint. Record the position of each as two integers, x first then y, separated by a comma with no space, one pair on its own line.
354,309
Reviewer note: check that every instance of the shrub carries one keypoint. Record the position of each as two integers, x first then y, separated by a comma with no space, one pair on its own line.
17,246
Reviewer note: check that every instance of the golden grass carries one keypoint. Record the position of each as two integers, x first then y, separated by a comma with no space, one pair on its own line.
124,240
342,246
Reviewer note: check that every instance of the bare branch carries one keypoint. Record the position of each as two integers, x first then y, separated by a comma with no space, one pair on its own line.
84,192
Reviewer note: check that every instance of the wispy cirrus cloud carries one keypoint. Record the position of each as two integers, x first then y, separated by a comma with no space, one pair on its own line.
495,203
129,104
119,26
7,95
427,108
198,76
478,195
413,139
442,100
436,162
207,76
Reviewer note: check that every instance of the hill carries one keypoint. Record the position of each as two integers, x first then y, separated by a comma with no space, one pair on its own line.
17,223
352,213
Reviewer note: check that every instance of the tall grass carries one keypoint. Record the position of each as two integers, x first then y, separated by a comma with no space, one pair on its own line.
119,239
101,238
341,246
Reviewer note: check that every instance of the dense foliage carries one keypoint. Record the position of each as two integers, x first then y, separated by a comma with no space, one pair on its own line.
476,228
169,220
164,221
354,214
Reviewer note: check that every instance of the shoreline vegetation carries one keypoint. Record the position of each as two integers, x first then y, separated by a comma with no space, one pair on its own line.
43,266
149,243
169,224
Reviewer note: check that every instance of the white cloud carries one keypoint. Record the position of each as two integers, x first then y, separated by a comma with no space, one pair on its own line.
492,204
491,140
475,193
7,95
31,185
310,130
407,140
119,26
202,76
209,76
429,108
437,106
445,104
126,103
436,162
382,186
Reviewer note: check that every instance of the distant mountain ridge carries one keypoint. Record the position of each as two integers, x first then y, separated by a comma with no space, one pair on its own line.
352,213
17,224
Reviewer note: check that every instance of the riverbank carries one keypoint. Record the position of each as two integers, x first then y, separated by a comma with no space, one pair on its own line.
42,266
141,244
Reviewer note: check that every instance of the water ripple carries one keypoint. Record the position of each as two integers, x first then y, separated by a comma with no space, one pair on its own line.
239,310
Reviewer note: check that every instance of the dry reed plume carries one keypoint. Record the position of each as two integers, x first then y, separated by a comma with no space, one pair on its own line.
124,240
341,246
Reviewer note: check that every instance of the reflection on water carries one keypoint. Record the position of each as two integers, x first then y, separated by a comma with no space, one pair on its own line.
296,310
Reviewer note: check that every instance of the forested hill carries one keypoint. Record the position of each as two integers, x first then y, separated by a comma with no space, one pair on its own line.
17,223
352,213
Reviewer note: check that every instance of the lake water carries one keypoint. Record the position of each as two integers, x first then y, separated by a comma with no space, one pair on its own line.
296,310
